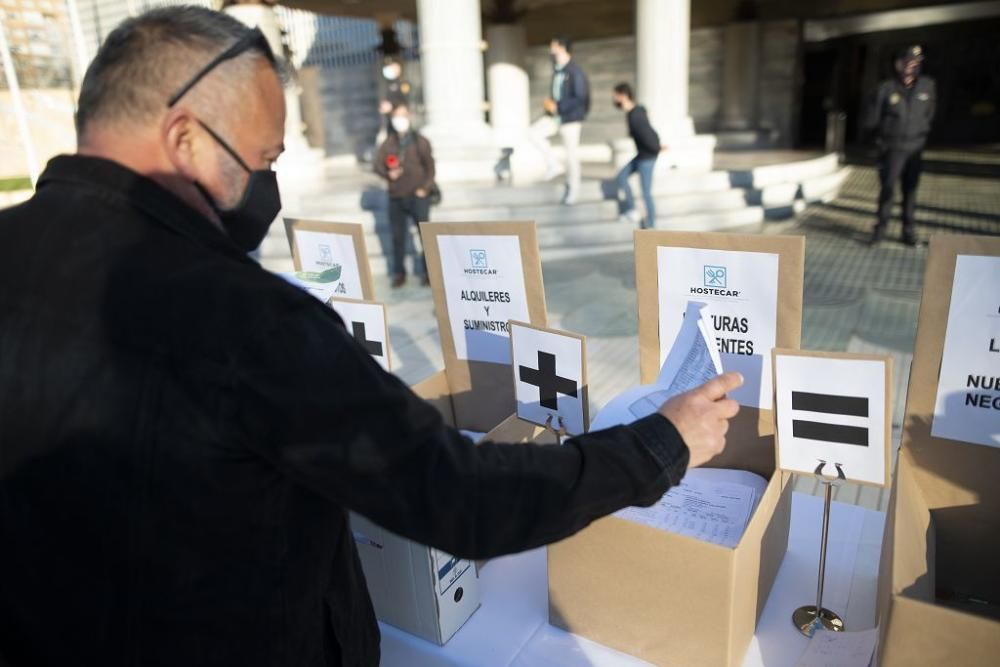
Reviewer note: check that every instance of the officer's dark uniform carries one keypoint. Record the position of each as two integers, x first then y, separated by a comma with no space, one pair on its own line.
901,116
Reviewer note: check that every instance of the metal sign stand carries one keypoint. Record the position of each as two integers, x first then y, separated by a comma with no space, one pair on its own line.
810,618
560,432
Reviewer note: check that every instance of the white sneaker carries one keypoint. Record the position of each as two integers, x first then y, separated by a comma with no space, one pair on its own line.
570,199
553,171
630,216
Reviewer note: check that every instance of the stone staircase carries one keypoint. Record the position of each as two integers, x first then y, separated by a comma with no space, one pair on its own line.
690,201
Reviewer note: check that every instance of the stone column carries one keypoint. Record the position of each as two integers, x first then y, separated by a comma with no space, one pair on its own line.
507,81
663,36
452,61
740,64
663,32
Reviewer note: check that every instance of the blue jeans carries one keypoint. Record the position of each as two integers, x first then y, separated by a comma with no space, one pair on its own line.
627,203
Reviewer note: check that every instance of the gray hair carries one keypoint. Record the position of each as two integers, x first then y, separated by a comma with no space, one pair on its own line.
147,58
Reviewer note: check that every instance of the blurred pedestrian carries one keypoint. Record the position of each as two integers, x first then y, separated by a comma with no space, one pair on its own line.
394,91
901,116
565,109
406,161
647,146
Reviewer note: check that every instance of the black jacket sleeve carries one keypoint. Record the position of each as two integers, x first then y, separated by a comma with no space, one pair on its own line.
324,414
647,141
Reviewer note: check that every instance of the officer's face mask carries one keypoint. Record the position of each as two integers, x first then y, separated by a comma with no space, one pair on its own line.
390,72
247,222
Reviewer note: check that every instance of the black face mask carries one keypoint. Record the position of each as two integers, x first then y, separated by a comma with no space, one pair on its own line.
247,222
618,105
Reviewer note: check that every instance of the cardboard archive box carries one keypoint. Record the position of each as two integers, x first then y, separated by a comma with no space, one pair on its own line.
666,598
939,587
419,589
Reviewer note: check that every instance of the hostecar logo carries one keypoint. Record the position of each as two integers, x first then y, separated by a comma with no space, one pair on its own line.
325,255
715,282
479,264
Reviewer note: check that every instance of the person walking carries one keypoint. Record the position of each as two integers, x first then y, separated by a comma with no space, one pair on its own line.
406,161
565,110
647,146
183,433
901,116
394,92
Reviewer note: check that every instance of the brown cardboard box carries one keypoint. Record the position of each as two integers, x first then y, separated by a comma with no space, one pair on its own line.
667,598
941,547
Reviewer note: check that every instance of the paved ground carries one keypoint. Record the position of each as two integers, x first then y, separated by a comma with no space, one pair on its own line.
857,297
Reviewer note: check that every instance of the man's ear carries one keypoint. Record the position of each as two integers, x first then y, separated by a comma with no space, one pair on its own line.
178,133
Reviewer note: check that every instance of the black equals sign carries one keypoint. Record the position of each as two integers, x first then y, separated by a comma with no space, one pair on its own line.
830,404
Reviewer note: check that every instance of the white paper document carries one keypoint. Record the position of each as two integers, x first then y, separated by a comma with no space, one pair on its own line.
712,505
968,394
692,361
321,290
840,649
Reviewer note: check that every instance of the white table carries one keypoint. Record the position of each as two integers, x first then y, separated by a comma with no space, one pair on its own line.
511,628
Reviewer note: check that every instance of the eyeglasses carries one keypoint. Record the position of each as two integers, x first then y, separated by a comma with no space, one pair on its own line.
253,39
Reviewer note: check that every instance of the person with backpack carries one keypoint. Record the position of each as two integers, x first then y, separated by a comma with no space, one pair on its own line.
566,107
406,161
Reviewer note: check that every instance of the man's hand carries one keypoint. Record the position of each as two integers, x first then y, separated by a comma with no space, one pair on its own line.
384,107
702,415
420,192
394,174
550,105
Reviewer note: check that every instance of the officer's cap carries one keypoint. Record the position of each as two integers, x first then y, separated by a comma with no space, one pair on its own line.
910,53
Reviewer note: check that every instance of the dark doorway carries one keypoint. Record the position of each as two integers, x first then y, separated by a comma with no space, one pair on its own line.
818,70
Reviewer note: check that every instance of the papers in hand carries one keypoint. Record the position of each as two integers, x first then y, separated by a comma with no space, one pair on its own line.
692,361
321,290
713,505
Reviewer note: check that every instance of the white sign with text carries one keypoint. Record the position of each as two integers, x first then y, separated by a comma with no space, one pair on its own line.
968,394
484,290
742,290
329,259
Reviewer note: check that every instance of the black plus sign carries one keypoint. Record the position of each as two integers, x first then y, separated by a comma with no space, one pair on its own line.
371,346
549,384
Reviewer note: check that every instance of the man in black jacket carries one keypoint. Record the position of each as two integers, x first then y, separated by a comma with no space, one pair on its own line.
647,146
182,433
901,116
566,107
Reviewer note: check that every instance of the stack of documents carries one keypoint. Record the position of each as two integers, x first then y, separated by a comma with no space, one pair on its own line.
713,505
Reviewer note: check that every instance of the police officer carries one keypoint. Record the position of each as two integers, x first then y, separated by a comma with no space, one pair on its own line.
901,117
